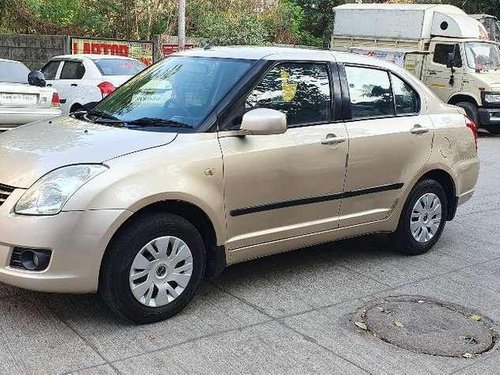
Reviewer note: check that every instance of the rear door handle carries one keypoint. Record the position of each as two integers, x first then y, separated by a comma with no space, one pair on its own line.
74,85
332,139
419,129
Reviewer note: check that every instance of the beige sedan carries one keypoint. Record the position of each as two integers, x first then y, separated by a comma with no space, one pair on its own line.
218,156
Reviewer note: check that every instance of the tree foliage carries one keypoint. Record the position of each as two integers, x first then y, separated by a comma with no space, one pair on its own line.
307,22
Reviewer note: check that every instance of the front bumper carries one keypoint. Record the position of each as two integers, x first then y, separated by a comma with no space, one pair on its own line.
77,240
489,117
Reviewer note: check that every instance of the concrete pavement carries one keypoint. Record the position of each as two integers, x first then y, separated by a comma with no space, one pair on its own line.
284,314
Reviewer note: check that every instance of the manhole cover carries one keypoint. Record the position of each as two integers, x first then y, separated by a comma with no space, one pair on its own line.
428,326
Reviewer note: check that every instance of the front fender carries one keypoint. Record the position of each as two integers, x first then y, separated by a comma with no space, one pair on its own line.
188,170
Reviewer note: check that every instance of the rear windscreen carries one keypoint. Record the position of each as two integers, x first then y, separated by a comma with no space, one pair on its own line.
119,67
13,72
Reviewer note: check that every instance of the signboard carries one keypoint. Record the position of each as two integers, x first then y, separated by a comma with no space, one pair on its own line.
168,49
142,51
392,56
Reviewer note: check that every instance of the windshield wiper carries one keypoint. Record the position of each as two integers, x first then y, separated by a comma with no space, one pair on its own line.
102,115
150,121
142,122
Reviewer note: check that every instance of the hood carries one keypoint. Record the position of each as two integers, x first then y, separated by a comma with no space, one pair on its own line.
489,78
29,152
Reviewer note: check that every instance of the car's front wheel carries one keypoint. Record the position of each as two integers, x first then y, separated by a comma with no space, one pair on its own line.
422,220
153,268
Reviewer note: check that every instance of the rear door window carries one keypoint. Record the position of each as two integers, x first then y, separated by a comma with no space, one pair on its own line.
72,70
370,92
406,99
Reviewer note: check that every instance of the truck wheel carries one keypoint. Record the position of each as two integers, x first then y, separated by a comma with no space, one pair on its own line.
153,268
471,110
422,220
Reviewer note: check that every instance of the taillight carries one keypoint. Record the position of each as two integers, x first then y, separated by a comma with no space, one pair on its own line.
473,127
106,88
56,101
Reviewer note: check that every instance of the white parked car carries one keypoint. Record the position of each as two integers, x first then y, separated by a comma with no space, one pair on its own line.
20,102
84,79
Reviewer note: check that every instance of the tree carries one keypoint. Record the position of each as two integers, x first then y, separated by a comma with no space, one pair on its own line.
317,24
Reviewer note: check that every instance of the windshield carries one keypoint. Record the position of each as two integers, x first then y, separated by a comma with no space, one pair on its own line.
177,91
119,67
482,56
12,71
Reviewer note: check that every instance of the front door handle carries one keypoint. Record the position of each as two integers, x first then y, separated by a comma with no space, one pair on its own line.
74,85
419,129
332,139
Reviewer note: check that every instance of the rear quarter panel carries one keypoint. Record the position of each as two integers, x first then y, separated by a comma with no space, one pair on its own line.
454,149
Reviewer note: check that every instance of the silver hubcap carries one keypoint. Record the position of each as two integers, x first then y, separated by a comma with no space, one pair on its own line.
161,271
426,217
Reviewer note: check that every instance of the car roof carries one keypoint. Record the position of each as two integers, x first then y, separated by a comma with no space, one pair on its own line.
284,53
11,61
250,52
91,57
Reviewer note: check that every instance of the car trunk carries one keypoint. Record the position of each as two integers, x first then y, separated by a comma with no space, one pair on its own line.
18,95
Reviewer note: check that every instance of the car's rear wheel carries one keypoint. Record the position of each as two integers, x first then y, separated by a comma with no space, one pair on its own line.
422,220
153,268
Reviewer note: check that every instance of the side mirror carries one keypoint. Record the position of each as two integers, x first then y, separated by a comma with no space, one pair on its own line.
450,61
263,121
36,78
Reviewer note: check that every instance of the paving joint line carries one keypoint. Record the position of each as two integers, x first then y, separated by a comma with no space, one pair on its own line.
283,324
186,342
90,344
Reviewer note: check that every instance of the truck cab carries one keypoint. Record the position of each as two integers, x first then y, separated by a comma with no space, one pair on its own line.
440,44
466,73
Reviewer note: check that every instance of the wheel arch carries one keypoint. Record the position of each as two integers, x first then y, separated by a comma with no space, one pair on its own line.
216,256
448,184
457,98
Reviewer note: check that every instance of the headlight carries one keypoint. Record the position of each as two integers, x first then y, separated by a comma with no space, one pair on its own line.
491,98
49,194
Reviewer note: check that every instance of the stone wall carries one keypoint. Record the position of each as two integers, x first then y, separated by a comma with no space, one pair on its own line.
33,50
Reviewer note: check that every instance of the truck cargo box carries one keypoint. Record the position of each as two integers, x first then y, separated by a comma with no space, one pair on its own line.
405,21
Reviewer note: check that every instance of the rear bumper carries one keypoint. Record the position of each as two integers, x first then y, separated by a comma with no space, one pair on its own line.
13,117
489,117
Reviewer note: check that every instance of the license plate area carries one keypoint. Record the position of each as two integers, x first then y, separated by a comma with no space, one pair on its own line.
18,100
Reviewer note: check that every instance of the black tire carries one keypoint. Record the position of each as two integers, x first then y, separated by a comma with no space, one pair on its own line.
114,285
471,110
403,239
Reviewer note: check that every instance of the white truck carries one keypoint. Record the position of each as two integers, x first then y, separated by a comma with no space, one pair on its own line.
443,46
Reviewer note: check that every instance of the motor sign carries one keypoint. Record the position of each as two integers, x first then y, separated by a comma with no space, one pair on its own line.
142,51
